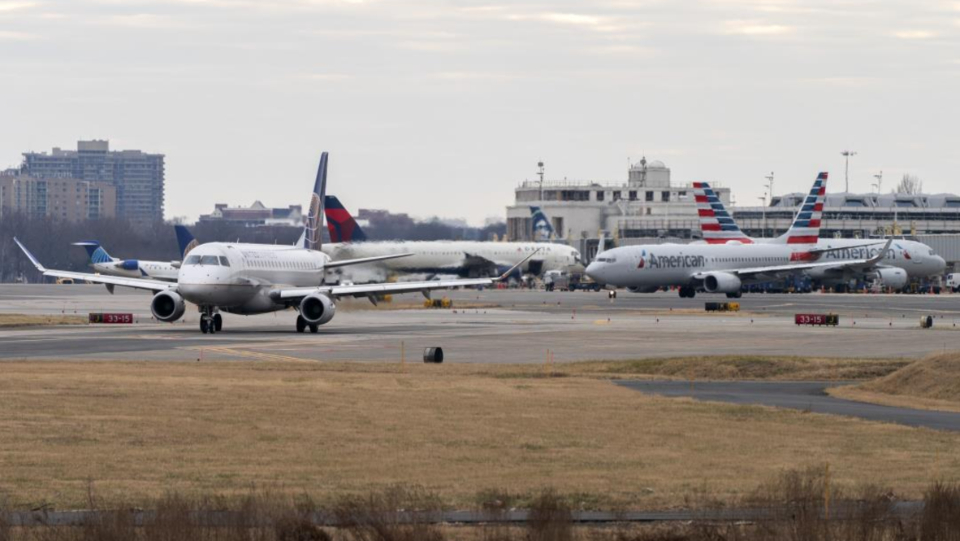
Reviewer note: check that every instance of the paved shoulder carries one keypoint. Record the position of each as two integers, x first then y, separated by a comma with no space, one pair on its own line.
802,395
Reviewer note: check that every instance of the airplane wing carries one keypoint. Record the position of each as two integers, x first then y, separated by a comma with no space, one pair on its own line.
136,283
372,290
773,270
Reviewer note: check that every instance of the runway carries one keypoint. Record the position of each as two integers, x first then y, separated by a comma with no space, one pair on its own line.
493,326
803,395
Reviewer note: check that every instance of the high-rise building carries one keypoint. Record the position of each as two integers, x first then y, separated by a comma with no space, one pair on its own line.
137,176
62,197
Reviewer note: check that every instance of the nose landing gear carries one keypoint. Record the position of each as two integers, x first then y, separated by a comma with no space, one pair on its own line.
210,322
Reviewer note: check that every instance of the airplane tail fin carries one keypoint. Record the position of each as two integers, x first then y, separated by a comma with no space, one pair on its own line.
716,224
95,252
185,240
313,231
340,224
542,228
805,228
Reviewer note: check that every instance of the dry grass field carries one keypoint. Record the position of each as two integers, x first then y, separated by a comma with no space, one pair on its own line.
22,320
930,383
138,430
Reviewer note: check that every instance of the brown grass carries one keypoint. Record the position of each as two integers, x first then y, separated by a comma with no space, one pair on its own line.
930,383
140,430
23,320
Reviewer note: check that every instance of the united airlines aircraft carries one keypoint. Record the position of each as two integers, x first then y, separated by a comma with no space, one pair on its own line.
724,268
255,278
102,263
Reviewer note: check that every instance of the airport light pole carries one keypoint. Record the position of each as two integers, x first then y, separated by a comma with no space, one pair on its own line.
540,165
879,184
769,184
846,171
763,210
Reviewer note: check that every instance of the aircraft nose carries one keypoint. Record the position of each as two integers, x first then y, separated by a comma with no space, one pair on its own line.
593,271
941,264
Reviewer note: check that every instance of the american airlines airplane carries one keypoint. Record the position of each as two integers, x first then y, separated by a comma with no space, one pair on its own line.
916,259
724,268
101,262
252,279
461,258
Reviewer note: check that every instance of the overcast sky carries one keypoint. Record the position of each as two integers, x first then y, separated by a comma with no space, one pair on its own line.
433,107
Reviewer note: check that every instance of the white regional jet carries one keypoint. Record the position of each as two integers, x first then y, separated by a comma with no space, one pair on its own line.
724,268
915,258
467,259
252,279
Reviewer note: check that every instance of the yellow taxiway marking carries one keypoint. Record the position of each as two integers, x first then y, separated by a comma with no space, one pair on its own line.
250,354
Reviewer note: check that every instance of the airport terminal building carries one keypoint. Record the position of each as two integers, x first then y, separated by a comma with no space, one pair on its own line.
649,208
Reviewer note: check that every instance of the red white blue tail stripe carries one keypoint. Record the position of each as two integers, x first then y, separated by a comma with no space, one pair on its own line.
716,224
806,225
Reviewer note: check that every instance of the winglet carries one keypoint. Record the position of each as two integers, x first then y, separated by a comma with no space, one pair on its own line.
504,276
881,254
31,257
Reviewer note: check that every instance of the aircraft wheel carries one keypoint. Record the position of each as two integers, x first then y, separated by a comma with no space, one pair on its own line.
218,322
204,325
314,329
301,324
736,295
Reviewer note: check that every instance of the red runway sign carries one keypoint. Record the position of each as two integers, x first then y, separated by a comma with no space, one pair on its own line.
111,318
817,319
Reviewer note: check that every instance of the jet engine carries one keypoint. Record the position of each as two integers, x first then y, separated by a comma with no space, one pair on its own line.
167,306
892,277
721,282
648,289
129,264
317,309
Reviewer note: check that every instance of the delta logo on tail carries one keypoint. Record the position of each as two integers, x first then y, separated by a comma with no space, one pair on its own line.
340,224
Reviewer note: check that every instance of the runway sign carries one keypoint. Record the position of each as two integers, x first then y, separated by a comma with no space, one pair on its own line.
111,318
817,319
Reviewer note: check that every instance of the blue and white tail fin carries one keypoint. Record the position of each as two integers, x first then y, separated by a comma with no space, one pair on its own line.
805,229
340,224
185,241
313,229
95,252
542,228
716,224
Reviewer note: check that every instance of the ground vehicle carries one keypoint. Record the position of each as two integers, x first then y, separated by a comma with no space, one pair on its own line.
953,282
556,279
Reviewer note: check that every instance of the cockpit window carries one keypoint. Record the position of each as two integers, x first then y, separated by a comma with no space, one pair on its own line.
209,260
607,259
193,260
224,261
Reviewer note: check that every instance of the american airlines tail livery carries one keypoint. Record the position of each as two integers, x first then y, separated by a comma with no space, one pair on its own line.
725,268
252,279
915,259
461,258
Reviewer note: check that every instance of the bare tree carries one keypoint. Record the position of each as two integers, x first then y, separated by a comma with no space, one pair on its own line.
910,184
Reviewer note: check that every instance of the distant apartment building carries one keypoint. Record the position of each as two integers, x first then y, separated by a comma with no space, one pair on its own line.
137,177
255,215
62,197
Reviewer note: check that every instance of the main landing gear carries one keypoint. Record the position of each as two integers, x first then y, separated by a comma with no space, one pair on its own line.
210,322
687,292
302,325
735,295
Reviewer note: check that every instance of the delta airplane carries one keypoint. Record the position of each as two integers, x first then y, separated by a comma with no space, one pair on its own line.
916,259
724,268
101,262
252,279
462,258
